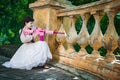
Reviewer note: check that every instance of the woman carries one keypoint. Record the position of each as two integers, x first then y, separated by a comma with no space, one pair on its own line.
30,54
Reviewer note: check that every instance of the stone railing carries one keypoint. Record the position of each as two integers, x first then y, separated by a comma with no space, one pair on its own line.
56,15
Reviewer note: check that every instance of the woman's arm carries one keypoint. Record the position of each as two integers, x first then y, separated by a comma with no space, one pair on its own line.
25,38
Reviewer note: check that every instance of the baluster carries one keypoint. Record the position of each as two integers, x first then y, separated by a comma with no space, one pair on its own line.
110,38
61,38
95,39
72,35
83,35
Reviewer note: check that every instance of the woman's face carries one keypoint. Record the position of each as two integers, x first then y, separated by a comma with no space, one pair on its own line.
29,24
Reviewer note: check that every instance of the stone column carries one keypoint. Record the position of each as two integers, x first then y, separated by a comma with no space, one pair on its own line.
45,15
83,36
72,35
61,38
95,39
110,37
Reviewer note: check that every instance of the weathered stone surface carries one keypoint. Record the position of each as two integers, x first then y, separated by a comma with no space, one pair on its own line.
8,50
48,13
53,73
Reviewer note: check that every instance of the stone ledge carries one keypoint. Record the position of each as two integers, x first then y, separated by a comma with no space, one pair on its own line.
77,72
104,70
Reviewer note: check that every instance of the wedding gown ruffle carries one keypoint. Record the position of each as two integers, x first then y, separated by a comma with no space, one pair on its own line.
30,55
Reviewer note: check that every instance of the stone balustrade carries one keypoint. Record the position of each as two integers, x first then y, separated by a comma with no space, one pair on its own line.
57,15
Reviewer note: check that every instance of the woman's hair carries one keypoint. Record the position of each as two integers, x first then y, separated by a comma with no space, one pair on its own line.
27,19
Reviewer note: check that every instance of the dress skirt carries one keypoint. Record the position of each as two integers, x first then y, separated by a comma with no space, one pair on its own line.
30,55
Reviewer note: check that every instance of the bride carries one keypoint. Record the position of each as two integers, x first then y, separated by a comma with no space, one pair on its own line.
30,54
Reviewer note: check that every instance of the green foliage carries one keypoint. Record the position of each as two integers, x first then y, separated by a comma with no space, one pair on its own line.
80,2
3,39
91,24
89,49
117,51
117,22
12,13
102,51
78,24
104,23
76,47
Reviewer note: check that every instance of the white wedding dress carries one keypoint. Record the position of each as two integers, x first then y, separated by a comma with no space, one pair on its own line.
29,54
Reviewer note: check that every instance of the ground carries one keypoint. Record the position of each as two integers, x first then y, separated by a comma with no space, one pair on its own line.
54,73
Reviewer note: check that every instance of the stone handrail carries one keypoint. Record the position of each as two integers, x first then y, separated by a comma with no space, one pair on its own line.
91,7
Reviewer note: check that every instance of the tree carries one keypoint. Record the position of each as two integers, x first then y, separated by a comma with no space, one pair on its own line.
12,13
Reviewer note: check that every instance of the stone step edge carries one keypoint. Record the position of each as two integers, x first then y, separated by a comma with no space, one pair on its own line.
77,72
